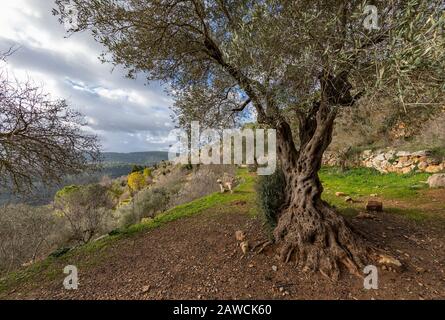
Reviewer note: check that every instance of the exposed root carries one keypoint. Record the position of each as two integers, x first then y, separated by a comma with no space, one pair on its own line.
318,239
263,244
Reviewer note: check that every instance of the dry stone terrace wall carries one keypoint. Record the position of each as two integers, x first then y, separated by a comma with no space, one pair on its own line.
389,160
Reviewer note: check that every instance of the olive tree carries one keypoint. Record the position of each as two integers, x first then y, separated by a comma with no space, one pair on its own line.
306,59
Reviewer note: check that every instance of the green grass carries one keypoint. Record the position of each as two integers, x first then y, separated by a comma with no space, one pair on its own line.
362,182
94,252
356,183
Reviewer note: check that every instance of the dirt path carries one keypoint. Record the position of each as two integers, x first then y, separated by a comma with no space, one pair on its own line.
198,258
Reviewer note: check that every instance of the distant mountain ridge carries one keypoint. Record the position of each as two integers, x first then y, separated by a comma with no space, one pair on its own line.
141,158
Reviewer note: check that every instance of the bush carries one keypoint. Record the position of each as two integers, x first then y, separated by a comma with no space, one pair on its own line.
136,181
201,182
26,234
146,204
270,197
86,210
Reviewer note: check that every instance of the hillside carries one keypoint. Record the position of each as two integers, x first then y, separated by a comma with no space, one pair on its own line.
190,251
140,158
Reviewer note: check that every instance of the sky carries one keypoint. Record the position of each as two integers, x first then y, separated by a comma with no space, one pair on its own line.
127,115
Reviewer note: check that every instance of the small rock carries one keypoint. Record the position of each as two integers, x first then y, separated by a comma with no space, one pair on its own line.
365,215
436,181
422,165
348,199
281,289
374,206
420,270
145,289
251,265
340,194
434,168
244,246
240,235
275,268
388,260
374,195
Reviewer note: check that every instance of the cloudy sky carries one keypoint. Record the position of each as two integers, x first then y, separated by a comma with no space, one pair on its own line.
126,114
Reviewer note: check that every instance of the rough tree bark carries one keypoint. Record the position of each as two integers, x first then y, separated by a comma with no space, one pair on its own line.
309,230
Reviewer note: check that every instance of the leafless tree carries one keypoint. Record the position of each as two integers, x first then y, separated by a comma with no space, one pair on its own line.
41,140
26,234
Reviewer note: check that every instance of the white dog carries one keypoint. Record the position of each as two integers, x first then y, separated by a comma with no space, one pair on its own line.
226,183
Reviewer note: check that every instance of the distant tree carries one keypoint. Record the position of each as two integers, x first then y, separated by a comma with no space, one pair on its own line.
41,140
136,168
136,181
85,208
307,59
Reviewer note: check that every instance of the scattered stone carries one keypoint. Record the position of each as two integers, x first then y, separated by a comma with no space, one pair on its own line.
348,199
240,235
373,205
340,194
407,170
281,289
403,154
275,268
251,266
365,215
420,270
422,165
374,195
437,181
422,153
434,168
389,261
244,246
145,289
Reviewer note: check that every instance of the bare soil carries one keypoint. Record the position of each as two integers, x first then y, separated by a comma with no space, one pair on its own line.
199,258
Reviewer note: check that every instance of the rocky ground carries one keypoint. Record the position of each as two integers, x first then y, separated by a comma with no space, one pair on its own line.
199,258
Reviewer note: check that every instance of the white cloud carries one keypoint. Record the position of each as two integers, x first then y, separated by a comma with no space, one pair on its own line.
126,114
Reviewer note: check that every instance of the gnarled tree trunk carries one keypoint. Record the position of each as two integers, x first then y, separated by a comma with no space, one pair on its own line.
310,232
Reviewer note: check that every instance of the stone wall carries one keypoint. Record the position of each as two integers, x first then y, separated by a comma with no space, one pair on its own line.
389,160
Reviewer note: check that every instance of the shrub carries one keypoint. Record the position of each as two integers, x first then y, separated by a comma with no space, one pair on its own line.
26,234
85,209
136,181
270,196
187,167
201,182
146,204
136,168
